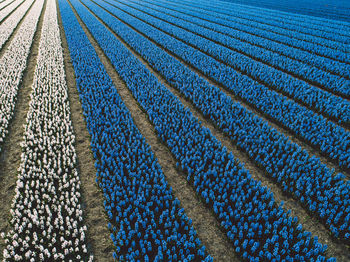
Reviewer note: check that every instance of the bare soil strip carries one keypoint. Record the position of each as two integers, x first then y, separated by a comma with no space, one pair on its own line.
312,150
335,248
206,225
8,41
99,242
10,157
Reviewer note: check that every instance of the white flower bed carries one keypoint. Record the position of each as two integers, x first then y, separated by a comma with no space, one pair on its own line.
4,3
46,212
9,25
8,9
12,64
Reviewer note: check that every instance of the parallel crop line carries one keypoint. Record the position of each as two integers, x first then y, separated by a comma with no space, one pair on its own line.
258,96
304,29
313,48
223,113
189,145
10,24
307,57
293,84
146,221
9,9
12,65
47,220
332,82
306,20
5,3
255,170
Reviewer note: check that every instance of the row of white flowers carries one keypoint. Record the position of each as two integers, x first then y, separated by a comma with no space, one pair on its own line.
4,3
47,217
12,65
8,26
8,9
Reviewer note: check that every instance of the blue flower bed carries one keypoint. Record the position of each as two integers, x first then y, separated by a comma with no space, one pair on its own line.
146,221
315,99
331,139
258,228
260,37
290,38
323,10
265,21
299,174
283,82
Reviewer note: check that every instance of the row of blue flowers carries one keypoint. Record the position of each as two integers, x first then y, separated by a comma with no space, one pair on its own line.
261,38
231,38
331,139
146,221
258,228
320,13
338,53
318,100
311,182
299,30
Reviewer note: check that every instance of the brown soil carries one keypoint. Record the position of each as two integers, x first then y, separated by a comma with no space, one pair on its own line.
206,225
99,242
10,157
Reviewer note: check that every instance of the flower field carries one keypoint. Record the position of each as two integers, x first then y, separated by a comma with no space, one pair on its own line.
174,131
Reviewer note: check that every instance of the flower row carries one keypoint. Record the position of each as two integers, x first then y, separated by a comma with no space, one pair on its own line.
272,33
244,33
299,31
283,82
8,9
47,217
146,221
323,13
4,3
9,25
297,173
316,99
12,65
331,139
337,55
258,228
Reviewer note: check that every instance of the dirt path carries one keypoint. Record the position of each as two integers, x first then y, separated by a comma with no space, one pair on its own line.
10,157
95,219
